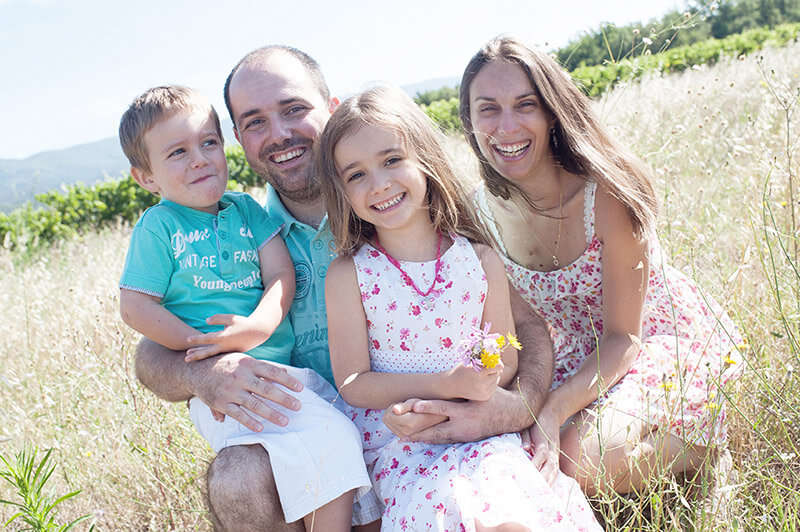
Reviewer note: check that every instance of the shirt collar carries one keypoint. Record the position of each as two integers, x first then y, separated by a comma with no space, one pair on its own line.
277,209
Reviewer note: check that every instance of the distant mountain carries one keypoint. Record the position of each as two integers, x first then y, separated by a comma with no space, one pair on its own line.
22,179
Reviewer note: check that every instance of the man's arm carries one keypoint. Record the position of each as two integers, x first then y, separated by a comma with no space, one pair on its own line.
234,383
509,410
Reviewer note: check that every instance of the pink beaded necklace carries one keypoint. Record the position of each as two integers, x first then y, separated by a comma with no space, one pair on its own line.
427,301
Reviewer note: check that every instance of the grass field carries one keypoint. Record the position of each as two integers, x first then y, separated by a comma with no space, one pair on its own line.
723,143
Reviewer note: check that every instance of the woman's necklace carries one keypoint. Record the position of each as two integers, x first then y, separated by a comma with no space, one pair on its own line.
558,236
427,296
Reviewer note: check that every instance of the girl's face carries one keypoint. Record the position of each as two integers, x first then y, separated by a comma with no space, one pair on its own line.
511,125
382,180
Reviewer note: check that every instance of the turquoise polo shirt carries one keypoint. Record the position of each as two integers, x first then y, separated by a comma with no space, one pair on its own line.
201,264
312,252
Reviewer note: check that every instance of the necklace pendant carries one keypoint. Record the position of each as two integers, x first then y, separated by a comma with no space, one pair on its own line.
555,261
428,302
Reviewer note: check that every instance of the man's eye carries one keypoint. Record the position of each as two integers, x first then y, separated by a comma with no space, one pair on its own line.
253,124
295,109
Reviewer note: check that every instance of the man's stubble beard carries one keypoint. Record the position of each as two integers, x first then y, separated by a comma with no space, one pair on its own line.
300,186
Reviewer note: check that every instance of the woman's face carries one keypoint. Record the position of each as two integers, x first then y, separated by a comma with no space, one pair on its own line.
511,125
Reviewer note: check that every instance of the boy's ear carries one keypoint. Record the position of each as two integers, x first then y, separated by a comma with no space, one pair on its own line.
333,103
144,179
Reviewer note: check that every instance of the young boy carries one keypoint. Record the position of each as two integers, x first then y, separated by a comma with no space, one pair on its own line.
207,272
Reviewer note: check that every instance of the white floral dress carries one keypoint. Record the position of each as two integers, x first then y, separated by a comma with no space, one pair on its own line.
446,487
689,345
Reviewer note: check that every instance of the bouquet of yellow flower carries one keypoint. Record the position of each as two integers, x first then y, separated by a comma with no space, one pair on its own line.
482,349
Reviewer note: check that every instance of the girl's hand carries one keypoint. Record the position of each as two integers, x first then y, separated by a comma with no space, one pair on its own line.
241,333
403,421
466,383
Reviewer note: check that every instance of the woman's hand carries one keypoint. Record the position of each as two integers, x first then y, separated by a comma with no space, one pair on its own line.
542,441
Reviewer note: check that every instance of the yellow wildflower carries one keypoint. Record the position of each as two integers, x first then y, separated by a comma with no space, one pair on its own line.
667,385
514,342
729,361
489,360
711,406
501,342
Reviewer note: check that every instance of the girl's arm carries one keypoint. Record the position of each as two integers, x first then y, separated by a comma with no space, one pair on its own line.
625,276
347,337
242,333
497,307
145,314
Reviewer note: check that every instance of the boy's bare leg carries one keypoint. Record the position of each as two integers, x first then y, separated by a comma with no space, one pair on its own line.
242,494
337,515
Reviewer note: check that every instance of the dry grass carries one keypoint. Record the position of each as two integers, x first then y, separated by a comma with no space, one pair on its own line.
722,141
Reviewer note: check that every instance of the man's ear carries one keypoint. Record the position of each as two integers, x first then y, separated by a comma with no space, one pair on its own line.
144,179
236,135
333,103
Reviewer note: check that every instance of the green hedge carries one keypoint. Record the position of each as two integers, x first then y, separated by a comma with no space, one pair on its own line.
78,208
595,80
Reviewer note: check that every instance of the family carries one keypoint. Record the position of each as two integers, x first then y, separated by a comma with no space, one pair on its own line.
320,339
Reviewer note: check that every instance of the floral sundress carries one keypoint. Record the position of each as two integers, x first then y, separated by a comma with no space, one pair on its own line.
446,487
690,347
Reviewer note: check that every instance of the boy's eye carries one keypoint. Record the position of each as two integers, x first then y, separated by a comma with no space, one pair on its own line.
210,142
179,151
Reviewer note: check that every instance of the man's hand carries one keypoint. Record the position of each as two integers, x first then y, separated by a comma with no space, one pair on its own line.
240,334
239,386
404,422
542,441
473,420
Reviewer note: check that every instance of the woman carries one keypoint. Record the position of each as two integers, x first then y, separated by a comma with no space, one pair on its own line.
639,353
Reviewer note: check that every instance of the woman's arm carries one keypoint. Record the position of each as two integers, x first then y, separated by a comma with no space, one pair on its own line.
145,314
625,275
347,338
242,333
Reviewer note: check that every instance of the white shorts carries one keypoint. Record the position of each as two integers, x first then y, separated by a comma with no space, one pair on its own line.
315,458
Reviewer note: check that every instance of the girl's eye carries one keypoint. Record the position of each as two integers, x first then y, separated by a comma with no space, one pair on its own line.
354,175
391,160
179,151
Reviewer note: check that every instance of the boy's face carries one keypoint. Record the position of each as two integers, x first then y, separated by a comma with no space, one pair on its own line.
187,161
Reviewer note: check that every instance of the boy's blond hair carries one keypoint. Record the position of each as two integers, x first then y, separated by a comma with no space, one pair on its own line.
149,108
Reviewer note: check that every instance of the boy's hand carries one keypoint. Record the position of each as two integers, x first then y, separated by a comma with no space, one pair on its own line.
241,333
467,383
403,421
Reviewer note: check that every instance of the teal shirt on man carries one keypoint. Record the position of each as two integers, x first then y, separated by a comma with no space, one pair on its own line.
312,252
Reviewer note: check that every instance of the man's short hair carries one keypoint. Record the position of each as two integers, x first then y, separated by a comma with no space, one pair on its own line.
256,56
152,106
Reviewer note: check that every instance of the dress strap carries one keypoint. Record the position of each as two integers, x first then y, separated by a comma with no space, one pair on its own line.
588,209
485,214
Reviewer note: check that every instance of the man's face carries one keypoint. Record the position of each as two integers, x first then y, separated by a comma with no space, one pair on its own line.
279,115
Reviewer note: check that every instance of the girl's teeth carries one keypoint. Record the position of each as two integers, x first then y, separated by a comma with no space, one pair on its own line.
386,204
288,155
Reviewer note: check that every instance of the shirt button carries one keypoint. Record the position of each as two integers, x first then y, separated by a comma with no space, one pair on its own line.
225,255
322,271
317,245
223,235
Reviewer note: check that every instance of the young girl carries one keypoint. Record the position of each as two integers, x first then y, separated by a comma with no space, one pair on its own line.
640,353
413,279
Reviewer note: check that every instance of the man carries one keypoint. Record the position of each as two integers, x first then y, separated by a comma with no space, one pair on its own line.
279,104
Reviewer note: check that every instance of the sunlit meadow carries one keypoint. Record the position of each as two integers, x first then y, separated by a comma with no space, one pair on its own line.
722,142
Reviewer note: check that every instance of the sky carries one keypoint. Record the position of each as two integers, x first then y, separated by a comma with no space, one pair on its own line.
69,68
